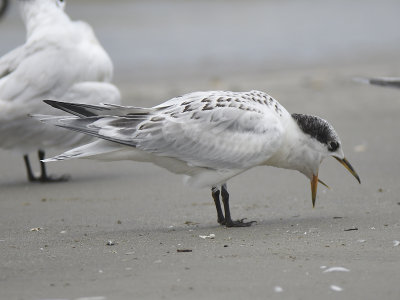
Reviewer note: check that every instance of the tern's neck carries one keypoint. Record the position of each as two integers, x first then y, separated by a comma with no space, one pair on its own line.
297,152
40,15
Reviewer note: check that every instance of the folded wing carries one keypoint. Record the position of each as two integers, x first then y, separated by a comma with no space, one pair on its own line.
202,138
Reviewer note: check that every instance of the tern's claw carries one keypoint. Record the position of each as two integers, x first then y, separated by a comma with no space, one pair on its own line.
239,223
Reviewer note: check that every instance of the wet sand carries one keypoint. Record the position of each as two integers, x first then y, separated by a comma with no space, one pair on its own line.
149,215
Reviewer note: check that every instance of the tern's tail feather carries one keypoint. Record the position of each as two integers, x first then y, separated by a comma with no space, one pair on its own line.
92,150
98,126
73,123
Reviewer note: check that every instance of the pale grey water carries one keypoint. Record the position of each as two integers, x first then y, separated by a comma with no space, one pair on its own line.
164,38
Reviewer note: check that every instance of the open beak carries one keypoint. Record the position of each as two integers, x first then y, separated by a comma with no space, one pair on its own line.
314,184
315,180
324,184
348,166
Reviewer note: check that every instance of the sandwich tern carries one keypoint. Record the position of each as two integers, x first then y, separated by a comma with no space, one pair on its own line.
209,137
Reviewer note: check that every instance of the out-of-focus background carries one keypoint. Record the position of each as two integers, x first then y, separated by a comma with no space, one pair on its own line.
305,53
157,39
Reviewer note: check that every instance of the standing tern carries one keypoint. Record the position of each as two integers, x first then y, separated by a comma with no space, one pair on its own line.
60,59
209,137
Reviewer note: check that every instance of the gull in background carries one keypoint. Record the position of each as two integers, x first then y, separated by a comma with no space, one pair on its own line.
61,59
209,137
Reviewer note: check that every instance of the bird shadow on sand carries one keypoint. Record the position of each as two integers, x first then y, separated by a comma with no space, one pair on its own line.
75,179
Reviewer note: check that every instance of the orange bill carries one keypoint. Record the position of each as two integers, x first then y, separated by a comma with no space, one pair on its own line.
314,184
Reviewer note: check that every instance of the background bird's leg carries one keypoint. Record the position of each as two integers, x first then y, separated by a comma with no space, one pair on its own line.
228,219
44,177
215,194
29,172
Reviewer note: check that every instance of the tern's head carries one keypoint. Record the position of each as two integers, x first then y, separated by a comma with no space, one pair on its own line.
321,141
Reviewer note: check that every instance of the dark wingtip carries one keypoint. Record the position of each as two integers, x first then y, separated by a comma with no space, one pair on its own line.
49,101
77,109
53,103
59,105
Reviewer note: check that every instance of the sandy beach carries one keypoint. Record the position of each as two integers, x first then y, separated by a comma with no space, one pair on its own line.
125,230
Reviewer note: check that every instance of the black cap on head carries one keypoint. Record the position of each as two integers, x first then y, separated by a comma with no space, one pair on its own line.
318,129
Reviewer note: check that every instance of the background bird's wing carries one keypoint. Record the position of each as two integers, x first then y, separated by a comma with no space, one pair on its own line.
39,72
48,68
17,128
10,61
92,92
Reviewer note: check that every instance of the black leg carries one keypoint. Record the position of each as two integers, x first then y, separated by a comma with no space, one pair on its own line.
43,173
29,172
46,178
215,194
228,219
43,176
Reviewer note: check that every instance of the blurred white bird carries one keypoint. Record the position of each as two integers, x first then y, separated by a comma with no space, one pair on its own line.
208,136
61,59
382,81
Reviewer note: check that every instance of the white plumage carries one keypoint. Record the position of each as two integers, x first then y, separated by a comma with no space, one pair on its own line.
61,59
219,132
207,136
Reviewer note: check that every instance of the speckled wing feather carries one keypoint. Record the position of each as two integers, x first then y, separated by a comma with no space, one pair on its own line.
202,129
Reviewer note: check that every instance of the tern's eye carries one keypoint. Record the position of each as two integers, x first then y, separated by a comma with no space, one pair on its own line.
332,146
60,2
